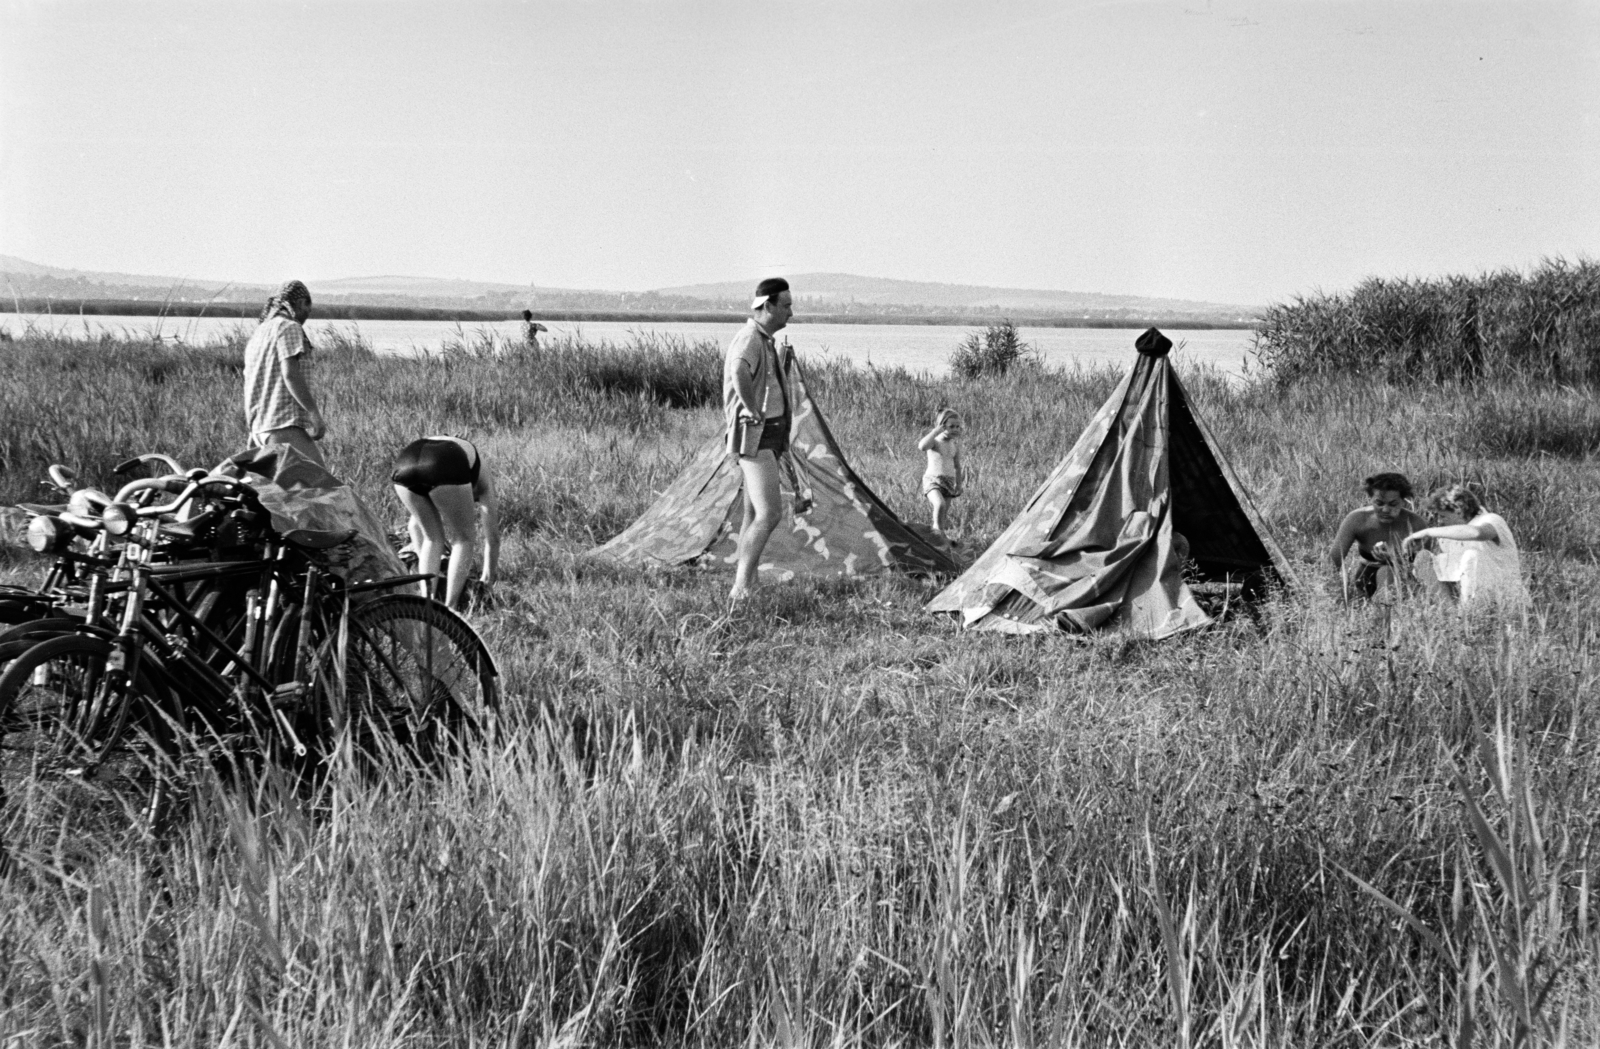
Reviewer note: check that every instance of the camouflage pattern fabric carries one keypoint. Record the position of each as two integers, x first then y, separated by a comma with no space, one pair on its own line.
303,497
1140,507
834,526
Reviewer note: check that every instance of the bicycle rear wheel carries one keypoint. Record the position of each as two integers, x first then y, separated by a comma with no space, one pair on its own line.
415,675
85,762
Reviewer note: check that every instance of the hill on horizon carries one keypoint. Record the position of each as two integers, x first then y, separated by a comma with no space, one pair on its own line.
887,291
844,292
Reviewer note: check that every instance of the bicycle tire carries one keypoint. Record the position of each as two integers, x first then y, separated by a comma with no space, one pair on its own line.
415,675
85,762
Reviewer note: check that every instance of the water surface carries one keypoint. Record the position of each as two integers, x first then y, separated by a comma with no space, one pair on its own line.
915,347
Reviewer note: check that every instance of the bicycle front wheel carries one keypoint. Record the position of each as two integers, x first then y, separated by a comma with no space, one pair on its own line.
85,761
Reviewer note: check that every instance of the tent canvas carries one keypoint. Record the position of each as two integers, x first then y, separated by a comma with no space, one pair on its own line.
834,524
1098,547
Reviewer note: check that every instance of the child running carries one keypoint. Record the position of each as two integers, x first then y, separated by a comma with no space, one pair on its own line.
941,481
1378,531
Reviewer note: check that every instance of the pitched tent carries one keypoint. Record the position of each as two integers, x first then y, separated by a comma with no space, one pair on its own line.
1098,547
835,527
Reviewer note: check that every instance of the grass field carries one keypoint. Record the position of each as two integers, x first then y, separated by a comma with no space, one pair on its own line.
833,819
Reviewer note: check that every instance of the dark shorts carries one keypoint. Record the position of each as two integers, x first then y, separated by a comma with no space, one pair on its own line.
425,464
775,436
1365,579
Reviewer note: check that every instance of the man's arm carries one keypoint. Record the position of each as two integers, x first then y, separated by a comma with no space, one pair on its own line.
1342,540
741,365
295,379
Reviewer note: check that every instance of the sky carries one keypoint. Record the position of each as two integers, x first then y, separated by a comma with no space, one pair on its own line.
1231,151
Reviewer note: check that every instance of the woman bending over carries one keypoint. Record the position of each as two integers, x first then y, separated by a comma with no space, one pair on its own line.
443,482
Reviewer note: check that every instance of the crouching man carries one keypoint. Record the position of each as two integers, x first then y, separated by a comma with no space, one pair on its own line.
1378,531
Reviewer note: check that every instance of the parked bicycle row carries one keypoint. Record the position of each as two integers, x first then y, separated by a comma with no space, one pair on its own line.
179,628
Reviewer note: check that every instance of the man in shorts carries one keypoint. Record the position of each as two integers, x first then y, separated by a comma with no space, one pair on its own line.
755,402
1378,532
278,405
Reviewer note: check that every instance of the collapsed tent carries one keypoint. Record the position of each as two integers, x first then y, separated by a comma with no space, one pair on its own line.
835,525
1140,513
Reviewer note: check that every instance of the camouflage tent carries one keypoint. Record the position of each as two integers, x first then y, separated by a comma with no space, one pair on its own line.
835,525
1141,515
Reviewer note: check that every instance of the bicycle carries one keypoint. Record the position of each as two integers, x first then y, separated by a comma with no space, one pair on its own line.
272,649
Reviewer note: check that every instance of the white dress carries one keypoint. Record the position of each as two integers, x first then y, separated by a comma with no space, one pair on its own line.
1488,575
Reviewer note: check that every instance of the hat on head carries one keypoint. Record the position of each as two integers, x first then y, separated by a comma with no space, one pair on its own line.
1153,344
768,288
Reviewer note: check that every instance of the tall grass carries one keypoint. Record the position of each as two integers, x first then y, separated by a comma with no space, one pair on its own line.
1541,325
830,819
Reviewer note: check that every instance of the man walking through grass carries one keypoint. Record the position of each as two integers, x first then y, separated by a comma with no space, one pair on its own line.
278,405
755,402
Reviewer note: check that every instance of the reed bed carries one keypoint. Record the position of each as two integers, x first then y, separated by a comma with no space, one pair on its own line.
835,820
1542,325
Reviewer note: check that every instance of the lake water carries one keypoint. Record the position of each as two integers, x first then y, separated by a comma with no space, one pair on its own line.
915,347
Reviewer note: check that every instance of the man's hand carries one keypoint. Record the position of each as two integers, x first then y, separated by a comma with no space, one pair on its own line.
318,429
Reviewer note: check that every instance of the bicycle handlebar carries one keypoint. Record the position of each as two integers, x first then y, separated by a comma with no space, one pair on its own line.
62,477
120,516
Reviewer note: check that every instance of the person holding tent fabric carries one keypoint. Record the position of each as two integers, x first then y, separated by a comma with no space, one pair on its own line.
755,404
278,404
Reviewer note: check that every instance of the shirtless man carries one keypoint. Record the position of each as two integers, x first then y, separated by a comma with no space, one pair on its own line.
1379,531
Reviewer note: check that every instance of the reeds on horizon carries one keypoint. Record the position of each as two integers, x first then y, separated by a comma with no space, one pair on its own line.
1541,325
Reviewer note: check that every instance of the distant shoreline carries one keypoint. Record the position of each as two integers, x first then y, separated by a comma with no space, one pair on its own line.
356,312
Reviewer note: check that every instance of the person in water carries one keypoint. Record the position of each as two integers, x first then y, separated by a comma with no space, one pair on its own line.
443,482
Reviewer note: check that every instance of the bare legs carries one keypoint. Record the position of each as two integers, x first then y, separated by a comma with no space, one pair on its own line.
761,511
447,515
941,506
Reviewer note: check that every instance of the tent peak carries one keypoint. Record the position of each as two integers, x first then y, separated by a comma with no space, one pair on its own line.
1153,344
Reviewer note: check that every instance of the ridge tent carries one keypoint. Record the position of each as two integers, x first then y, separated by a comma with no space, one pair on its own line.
836,525
1141,507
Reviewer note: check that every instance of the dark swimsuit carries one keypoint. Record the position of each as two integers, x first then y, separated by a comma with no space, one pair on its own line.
427,463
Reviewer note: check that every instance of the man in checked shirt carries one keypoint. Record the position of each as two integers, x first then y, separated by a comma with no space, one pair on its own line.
278,405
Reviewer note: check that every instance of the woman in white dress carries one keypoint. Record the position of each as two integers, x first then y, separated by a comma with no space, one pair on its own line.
1475,562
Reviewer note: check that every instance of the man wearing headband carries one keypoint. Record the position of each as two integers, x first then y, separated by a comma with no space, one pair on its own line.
756,406
278,406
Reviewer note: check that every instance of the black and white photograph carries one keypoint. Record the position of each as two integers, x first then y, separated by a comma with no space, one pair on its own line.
548,524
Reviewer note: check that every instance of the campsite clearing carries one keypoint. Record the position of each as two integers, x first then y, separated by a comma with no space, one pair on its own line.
837,818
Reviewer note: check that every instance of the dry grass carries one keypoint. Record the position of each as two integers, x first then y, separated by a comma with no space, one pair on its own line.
835,820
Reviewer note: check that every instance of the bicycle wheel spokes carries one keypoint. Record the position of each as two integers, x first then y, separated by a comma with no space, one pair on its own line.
81,764
413,676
